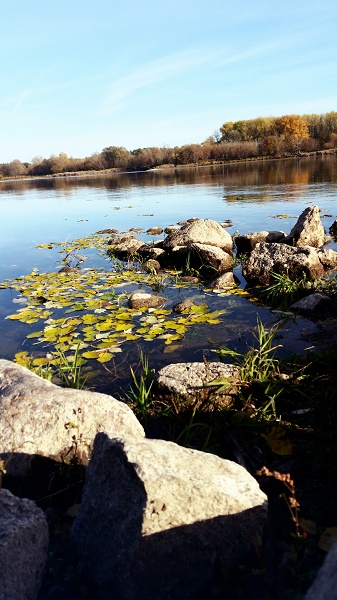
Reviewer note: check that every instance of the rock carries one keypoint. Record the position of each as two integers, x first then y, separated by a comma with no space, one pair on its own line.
282,259
225,281
202,231
143,299
314,306
308,230
125,247
205,256
246,243
324,586
328,258
154,231
333,228
187,381
23,547
157,519
183,305
38,417
152,266
172,228
227,223
189,279
152,251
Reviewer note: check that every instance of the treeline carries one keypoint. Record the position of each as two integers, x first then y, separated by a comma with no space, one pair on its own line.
253,138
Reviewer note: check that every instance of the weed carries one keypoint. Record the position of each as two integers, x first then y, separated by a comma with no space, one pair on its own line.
257,369
140,390
284,291
70,369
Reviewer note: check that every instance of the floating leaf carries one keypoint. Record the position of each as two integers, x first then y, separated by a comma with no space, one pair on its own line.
277,441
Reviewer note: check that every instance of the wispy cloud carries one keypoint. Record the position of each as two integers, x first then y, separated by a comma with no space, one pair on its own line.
152,73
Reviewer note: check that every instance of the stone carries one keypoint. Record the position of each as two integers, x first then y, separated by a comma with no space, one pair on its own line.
205,256
282,259
225,281
184,305
314,306
23,547
172,228
125,247
187,381
157,519
328,258
324,586
154,231
143,299
40,418
202,231
246,243
308,230
333,228
152,266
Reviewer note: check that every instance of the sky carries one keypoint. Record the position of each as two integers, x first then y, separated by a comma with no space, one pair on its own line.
80,75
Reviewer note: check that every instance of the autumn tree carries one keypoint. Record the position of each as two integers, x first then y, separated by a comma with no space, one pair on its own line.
116,156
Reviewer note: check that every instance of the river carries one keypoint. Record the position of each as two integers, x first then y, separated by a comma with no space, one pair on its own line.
262,195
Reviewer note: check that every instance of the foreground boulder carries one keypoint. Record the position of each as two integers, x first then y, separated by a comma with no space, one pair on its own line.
156,519
267,259
23,547
38,417
308,230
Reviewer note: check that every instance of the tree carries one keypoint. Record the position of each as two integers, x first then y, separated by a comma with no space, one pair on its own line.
116,156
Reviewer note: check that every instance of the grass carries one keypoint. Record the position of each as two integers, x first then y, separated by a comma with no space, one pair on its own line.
140,393
284,291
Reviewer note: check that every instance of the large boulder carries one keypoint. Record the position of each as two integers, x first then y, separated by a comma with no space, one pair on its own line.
38,417
23,547
202,231
267,259
157,519
308,230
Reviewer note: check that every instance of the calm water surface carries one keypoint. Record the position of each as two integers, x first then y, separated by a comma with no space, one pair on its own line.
251,195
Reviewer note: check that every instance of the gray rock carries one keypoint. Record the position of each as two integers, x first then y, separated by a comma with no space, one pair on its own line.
187,381
285,260
154,231
328,258
152,266
38,417
246,243
225,281
333,228
23,547
203,256
324,586
145,300
314,306
184,305
202,231
125,247
156,519
172,229
308,230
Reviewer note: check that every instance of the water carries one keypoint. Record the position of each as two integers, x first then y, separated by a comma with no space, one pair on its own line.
251,195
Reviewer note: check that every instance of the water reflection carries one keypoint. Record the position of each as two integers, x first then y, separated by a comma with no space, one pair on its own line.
299,171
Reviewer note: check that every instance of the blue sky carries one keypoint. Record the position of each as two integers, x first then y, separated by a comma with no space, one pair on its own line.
77,76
